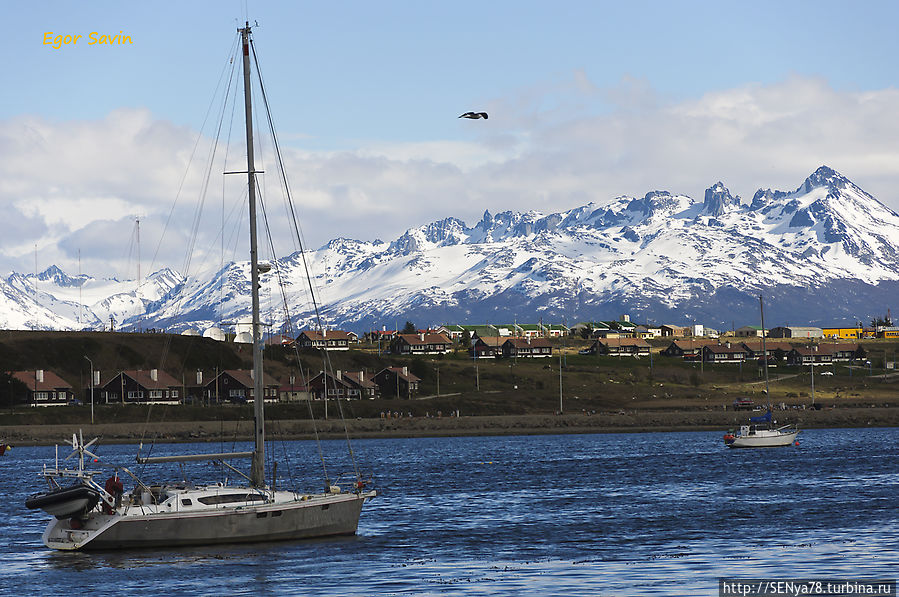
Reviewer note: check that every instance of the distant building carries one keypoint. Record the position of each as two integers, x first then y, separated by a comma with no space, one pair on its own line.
328,339
140,386
527,347
647,331
350,385
843,333
452,331
847,352
555,330
749,331
674,331
724,353
280,340
529,330
810,355
630,347
422,343
604,331
381,337
45,388
487,347
237,385
396,382
772,347
689,350
795,332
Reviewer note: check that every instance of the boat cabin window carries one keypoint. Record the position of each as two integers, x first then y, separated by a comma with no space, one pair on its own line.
231,498
186,502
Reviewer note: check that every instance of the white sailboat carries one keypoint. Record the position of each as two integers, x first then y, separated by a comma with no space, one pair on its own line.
93,516
760,432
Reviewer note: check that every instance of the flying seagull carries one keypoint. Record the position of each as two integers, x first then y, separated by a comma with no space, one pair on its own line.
475,115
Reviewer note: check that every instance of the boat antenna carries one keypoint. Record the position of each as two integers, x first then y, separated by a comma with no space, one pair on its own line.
257,473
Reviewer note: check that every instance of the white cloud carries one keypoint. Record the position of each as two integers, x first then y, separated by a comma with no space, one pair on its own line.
550,148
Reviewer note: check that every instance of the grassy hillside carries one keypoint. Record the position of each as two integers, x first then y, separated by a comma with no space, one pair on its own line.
449,382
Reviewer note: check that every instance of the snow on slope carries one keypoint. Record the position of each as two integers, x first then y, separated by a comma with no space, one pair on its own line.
658,256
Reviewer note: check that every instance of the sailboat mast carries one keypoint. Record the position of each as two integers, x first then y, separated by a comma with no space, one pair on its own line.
764,352
257,474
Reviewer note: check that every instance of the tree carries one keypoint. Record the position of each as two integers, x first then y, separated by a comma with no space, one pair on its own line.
465,341
882,321
13,391
409,328
419,368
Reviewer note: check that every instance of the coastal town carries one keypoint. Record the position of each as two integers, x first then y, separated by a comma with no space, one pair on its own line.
785,347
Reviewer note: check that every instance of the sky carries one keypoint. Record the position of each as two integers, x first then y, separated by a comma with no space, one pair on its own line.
588,101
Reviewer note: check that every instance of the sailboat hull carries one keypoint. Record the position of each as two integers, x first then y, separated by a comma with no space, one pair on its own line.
764,439
180,515
323,516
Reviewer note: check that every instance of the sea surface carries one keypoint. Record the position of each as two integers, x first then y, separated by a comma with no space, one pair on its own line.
605,514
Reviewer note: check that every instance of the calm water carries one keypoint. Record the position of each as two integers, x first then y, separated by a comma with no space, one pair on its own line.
622,514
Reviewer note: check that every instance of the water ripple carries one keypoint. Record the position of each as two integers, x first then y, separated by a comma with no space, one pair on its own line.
619,514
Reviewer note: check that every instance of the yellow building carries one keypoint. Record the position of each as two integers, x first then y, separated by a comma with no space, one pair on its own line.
845,333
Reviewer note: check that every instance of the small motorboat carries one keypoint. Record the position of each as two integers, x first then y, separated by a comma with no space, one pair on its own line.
65,502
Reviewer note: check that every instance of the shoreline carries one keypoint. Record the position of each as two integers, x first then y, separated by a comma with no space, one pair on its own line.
622,422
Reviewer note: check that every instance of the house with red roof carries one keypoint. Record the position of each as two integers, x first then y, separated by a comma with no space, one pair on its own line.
139,386
45,388
628,347
724,353
326,339
396,382
421,343
527,347
350,385
487,347
237,385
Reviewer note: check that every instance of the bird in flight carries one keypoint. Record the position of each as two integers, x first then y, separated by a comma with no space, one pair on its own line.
475,115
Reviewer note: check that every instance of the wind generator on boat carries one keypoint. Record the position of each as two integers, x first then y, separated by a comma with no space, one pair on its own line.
91,516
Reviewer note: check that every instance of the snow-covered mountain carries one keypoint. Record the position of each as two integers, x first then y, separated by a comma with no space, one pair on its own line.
53,300
826,253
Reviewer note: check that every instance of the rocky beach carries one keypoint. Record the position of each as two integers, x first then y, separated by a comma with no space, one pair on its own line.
604,422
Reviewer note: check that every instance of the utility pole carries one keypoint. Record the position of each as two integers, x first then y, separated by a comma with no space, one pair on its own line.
560,382
92,388
813,382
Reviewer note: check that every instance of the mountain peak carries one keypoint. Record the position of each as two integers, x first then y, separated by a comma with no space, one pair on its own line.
826,252
718,200
59,277
825,177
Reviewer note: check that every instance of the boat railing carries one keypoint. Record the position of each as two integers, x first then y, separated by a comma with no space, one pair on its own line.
67,473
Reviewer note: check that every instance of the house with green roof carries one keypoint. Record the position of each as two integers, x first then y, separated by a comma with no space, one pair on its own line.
529,330
749,331
555,330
